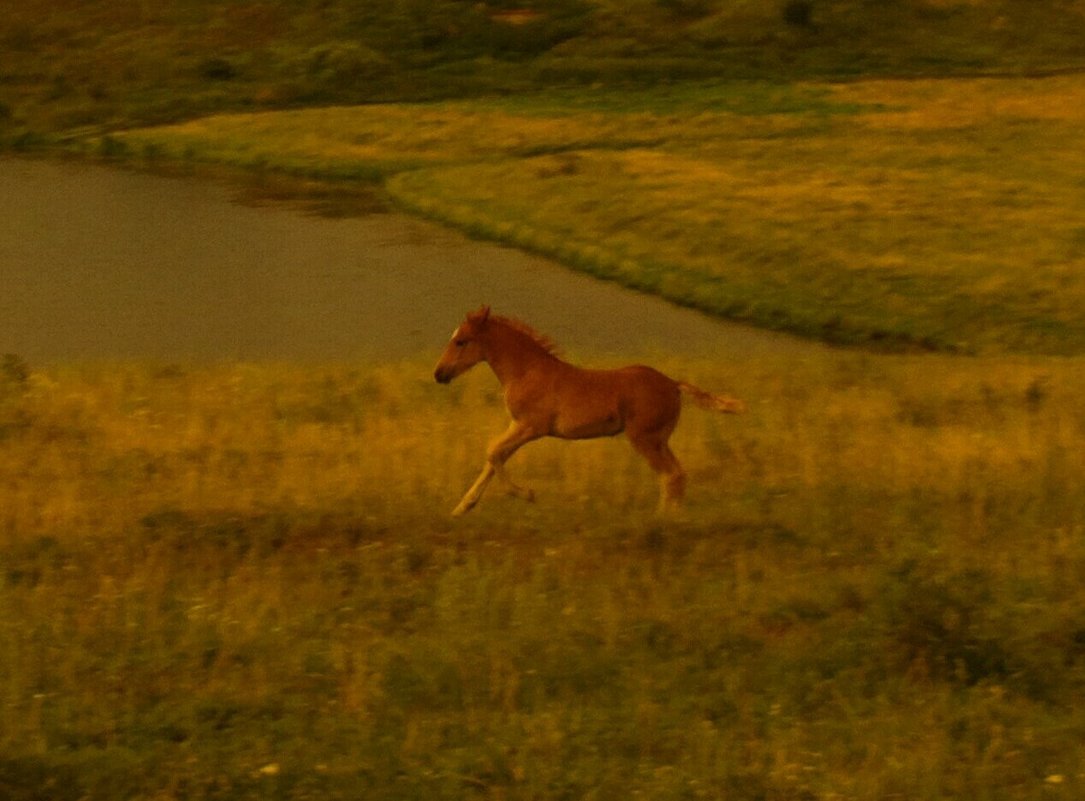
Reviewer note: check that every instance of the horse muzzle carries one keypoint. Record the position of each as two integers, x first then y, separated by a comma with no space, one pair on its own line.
442,375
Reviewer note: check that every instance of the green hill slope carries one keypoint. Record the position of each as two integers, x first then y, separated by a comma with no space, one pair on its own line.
73,64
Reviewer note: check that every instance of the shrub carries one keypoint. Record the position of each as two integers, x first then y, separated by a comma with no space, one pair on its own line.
943,624
687,9
14,370
344,63
799,13
217,69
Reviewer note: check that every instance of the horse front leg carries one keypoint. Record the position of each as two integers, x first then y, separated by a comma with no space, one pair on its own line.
515,436
471,497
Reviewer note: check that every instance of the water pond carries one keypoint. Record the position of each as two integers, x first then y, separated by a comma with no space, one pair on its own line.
102,264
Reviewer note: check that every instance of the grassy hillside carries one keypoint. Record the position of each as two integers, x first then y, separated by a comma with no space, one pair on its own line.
941,214
241,582
888,214
70,64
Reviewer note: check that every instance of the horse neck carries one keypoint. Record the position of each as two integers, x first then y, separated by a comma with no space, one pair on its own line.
511,354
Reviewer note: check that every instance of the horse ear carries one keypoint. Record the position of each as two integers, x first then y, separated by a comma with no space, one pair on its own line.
483,314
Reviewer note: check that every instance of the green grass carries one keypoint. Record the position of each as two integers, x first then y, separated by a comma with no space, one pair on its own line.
942,214
77,65
241,582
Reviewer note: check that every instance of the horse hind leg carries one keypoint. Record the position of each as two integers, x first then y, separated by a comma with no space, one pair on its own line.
673,483
514,489
660,457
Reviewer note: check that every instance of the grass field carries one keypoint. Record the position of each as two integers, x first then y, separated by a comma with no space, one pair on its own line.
885,213
71,66
242,582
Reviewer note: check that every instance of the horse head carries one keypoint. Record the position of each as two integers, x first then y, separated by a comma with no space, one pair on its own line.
465,348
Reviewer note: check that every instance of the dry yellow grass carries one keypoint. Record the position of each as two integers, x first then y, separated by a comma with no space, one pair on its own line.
242,581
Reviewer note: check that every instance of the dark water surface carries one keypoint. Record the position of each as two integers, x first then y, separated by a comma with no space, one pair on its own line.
102,264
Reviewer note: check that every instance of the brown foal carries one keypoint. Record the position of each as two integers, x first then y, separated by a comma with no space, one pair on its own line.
548,397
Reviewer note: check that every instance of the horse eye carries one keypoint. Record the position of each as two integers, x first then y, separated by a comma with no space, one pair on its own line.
459,343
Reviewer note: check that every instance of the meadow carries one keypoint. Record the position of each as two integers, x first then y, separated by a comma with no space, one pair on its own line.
241,581
889,214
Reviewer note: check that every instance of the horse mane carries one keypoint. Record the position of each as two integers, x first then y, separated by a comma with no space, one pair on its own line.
543,341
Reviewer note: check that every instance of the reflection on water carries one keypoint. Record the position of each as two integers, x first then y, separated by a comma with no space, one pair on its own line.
102,264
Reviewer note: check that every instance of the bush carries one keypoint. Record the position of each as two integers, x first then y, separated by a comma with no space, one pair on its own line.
217,69
944,625
14,370
969,628
799,13
341,64
687,9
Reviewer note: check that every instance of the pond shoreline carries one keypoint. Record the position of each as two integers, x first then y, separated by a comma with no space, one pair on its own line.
115,263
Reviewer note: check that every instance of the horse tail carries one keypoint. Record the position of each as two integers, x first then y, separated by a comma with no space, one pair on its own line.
706,400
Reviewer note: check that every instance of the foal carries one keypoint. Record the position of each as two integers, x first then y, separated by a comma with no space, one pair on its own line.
548,397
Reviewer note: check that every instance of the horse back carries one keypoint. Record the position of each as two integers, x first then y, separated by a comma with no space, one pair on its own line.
652,400
593,403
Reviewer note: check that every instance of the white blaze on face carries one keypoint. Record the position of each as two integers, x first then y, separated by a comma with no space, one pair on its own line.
455,333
